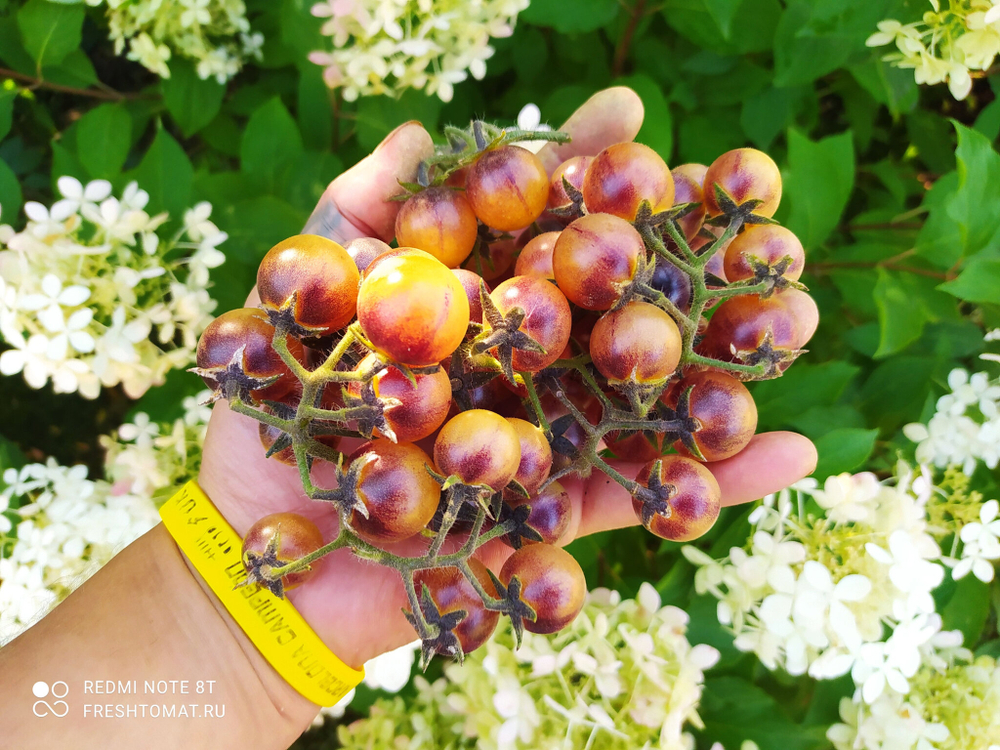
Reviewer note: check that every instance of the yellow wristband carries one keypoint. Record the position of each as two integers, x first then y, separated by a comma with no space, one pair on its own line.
274,625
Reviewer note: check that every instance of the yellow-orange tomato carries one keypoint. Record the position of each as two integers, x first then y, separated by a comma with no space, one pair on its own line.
745,174
536,257
440,221
421,408
451,591
297,537
637,343
724,409
319,272
694,500
508,188
552,584
480,447
396,489
536,454
624,175
573,169
248,328
768,243
413,309
688,181
593,257
547,318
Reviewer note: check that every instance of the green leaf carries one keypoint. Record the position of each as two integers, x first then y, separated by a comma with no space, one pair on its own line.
967,609
378,115
896,391
819,184
931,134
804,386
843,449
988,120
10,193
889,85
702,21
657,126
723,12
814,39
103,137
768,113
75,70
940,238
979,281
582,16
191,101
12,50
975,206
735,710
166,174
906,303
49,31
6,110
271,142
314,111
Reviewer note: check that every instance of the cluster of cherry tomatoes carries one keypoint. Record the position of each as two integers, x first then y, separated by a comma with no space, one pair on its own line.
526,327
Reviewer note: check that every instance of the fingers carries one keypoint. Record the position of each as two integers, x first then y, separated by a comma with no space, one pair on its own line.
770,462
357,204
610,116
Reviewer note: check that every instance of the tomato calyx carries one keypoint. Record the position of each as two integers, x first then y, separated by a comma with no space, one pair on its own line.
520,530
766,355
645,217
233,382
258,567
503,335
772,274
370,410
575,208
685,426
737,214
345,497
511,604
654,496
285,322
442,640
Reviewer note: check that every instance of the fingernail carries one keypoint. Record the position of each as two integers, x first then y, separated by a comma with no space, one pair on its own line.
394,133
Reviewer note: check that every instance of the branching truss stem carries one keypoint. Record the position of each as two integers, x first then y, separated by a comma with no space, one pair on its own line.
309,415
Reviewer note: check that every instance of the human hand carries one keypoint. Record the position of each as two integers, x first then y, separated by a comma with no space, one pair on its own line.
354,605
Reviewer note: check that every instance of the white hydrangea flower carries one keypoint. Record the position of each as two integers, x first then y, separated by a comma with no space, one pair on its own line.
813,595
84,283
388,46
945,45
965,428
214,34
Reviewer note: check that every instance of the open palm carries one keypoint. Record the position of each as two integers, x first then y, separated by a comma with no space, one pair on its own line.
354,605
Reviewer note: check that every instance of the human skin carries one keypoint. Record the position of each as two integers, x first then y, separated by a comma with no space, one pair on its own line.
148,615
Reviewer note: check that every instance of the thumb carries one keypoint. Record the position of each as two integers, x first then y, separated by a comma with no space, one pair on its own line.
357,204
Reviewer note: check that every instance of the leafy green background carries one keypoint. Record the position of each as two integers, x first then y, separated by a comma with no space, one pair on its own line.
892,189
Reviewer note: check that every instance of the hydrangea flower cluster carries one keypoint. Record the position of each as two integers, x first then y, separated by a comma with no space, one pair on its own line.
972,525
814,592
953,704
388,46
92,296
214,34
68,526
965,428
623,675
946,44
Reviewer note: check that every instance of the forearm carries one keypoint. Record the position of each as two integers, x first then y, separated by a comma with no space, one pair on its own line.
146,617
